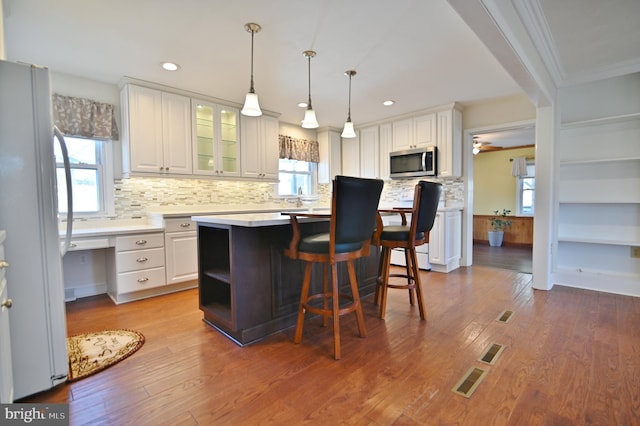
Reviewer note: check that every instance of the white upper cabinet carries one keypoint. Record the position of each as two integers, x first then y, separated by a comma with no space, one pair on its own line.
425,130
414,132
330,163
386,139
449,142
351,155
260,150
216,146
370,152
403,134
156,131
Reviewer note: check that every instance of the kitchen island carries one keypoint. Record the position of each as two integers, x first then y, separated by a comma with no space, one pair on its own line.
247,288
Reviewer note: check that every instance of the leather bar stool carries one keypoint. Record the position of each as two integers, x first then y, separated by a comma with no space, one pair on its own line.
353,220
408,237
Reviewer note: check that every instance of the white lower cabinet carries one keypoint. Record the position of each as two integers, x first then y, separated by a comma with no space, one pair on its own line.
442,253
445,241
181,250
136,265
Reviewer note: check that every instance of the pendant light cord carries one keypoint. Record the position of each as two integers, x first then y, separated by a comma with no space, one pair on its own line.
251,90
309,68
349,113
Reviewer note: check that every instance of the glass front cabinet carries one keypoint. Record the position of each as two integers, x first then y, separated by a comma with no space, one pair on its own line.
215,139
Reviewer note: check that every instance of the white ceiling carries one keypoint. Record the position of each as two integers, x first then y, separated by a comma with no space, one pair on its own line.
416,52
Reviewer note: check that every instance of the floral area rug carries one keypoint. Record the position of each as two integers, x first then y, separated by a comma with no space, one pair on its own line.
90,353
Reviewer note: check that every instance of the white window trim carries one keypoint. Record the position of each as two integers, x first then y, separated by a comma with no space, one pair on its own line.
105,173
519,193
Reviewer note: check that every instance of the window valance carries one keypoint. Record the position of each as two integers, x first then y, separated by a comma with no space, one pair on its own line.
299,149
84,117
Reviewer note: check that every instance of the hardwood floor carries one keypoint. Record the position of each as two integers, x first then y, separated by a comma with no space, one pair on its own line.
517,258
572,357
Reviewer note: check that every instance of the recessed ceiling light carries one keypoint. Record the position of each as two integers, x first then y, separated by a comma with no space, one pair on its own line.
388,103
170,66
302,104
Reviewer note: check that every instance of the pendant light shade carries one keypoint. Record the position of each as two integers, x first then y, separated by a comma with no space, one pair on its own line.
348,131
251,106
310,121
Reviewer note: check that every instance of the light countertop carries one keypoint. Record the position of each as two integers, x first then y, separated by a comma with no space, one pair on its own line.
252,220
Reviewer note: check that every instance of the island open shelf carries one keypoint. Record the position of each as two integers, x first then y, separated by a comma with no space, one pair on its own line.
247,288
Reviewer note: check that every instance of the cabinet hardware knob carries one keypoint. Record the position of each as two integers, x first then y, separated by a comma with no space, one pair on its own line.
143,280
73,245
185,225
7,303
4,264
141,259
141,242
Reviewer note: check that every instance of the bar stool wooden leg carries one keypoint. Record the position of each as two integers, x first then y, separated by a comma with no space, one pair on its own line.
325,289
417,284
356,299
335,310
408,258
384,286
303,300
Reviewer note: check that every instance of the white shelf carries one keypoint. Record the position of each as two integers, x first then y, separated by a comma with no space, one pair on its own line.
587,240
598,161
600,121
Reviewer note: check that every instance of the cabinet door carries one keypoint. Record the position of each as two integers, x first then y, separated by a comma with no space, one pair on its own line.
369,152
176,133
251,162
330,155
386,139
145,130
453,235
260,149
270,147
229,146
425,130
402,134
449,143
436,240
181,249
203,132
351,156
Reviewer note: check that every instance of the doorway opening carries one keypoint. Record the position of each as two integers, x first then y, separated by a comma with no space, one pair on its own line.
497,185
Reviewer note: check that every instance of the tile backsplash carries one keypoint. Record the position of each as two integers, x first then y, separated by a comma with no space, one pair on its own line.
134,196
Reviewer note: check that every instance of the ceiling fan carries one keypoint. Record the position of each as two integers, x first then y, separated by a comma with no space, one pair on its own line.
483,146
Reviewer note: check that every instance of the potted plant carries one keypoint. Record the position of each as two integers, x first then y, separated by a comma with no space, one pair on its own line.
498,223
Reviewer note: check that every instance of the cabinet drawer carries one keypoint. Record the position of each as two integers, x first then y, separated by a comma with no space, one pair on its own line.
139,241
140,259
179,224
140,280
89,244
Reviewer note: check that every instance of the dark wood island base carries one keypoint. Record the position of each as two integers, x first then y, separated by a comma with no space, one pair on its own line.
247,288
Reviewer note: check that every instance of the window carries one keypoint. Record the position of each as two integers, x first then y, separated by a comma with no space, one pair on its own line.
525,188
91,176
296,176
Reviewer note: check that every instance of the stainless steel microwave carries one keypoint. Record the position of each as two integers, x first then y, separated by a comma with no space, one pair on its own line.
413,162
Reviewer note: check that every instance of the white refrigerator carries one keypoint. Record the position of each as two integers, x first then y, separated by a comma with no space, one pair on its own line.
29,215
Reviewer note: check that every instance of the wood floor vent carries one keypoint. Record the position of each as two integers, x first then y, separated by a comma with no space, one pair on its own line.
505,316
491,354
469,382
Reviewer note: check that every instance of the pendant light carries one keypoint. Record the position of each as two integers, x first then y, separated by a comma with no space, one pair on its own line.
310,121
251,106
348,131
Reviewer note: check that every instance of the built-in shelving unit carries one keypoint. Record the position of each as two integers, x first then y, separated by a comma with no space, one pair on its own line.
599,188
